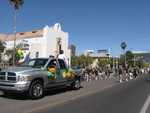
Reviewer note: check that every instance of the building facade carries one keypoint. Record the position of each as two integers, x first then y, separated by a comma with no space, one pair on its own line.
101,53
73,50
142,55
40,43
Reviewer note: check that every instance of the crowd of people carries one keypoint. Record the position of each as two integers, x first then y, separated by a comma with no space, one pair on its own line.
120,73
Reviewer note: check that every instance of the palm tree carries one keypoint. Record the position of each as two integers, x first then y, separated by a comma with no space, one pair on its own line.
16,4
123,47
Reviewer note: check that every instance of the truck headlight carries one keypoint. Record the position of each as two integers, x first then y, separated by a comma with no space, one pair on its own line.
22,78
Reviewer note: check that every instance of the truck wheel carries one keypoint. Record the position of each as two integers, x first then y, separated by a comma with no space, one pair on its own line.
76,84
36,90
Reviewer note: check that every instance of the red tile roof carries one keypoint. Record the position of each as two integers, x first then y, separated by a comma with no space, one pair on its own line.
21,35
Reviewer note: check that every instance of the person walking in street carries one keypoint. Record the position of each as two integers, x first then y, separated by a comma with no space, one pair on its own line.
135,73
120,74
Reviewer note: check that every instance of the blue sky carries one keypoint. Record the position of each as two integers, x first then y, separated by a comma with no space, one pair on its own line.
91,24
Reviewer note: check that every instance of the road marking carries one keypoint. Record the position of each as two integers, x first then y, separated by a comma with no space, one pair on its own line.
146,104
63,101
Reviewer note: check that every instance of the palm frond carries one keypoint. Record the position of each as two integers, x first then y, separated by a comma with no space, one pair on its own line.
16,3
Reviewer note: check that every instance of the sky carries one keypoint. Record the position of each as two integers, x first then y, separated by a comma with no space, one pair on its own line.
91,24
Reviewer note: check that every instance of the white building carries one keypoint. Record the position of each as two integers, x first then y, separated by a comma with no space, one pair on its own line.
89,52
40,43
98,53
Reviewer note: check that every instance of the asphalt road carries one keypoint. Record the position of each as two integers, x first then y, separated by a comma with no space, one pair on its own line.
128,97
20,104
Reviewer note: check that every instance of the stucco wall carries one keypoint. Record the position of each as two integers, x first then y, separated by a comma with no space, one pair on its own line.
46,44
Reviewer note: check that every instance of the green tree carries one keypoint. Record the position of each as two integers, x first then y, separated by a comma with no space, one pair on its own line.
130,58
74,61
89,60
140,63
16,4
103,62
81,60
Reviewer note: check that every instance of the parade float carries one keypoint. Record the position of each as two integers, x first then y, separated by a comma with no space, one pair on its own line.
69,74
52,73
66,73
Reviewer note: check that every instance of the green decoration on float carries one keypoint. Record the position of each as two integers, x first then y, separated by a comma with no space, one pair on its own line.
52,73
51,76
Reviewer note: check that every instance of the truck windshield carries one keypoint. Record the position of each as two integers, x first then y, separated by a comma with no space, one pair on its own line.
36,63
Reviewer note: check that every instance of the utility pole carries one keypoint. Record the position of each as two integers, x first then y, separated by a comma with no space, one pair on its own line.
16,4
134,60
125,58
14,48
123,46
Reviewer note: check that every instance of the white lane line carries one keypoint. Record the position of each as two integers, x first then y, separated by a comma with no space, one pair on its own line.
146,104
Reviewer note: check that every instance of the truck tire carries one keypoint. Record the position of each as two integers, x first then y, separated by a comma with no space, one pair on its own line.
36,90
76,84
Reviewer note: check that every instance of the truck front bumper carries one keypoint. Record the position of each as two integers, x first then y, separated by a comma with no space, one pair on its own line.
18,86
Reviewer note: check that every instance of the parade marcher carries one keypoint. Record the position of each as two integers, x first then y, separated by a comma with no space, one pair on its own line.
135,72
87,74
130,75
120,74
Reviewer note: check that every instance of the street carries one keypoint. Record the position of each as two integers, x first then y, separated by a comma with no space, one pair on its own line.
101,96
74,56
129,97
19,104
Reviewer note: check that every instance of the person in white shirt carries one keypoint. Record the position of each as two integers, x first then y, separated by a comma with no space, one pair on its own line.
63,57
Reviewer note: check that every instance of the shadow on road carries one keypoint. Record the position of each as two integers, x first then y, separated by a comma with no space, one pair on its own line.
58,91
16,96
24,96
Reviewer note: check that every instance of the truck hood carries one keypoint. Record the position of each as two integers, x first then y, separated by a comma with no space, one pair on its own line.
16,69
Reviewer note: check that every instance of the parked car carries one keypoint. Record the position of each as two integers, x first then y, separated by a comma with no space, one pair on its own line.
38,75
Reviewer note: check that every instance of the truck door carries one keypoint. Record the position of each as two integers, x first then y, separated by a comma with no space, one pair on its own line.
62,69
54,69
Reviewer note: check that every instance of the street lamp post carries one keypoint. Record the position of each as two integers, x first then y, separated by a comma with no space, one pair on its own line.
134,61
125,58
123,46
16,4
14,48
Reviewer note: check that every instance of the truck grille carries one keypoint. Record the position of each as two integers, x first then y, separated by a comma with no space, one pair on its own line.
2,76
7,76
